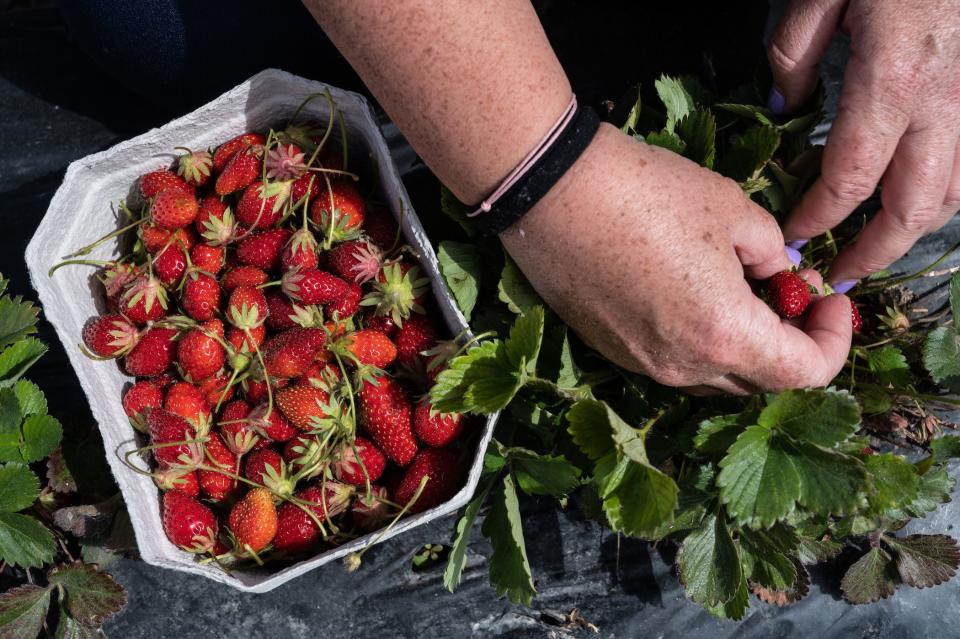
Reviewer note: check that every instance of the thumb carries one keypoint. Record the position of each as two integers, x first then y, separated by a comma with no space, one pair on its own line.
795,50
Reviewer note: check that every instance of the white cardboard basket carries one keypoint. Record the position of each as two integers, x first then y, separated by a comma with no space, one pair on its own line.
80,213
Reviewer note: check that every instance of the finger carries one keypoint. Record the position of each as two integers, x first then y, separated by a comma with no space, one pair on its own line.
729,384
914,189
795,50
859,147
758,241
951,201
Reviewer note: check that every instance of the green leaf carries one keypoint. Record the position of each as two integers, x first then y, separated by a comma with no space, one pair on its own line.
815,551
709,563
824,417
514,290
456,211
24,541
716,434
461,267
870,579
644,500
41,435
955,297
830,482
590,428
758,482
526,337
945,448
750,153
936,485
890,366
543,474
10,447
22,611
895,481
457,558
18,318
10,416
764,562
675,98
479,381
70,628
698,130
666,139
16,359
630,126
19,487
762,115
30,398
91,596
509,568
941,356
569,375
924,561
734,609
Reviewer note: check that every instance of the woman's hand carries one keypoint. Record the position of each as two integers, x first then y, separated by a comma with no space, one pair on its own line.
898,120
644,254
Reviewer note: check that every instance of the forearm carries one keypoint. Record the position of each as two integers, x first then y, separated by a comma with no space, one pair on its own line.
472,85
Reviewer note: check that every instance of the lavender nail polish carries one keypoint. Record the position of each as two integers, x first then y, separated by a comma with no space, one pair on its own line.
844,286
793,255
797,244
776,102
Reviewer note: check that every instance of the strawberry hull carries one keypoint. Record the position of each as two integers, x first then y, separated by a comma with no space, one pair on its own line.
76,217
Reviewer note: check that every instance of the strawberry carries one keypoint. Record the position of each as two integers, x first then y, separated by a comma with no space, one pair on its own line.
262,205
255,466
247,308
186,400
170,264
290,353
110,335
115,276
215,485
155,238
381,227
201,296
168,428
153,354
320,375
285,162
263,249
199,353
256,389
397,292
444,471
228,149
356,458
300,251
174,209
304,449
246,341
179,479
370,347
242,169
356,261
195,166
253,520
237,433
243,276
215,389
208,258
415,336
347,305
312,286
434,428
371,512
856,318
788,294
280,312
296,530
348,207
216,223
386,414
138,400
382,323
144,300
152,183
274,426
305,186
190,525
304,406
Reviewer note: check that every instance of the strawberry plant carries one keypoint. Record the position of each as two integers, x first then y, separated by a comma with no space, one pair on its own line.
36,554
751,491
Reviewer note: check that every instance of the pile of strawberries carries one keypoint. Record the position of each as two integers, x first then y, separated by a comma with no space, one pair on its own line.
280,339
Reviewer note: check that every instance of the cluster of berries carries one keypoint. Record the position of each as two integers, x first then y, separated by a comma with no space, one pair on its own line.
790,296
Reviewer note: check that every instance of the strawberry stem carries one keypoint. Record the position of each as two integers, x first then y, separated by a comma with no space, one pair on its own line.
109,236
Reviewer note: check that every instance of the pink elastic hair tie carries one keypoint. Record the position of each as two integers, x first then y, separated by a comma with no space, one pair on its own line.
542,147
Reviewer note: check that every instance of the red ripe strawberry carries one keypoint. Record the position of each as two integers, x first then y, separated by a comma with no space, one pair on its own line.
246,341
296,530
153,354
398,291
262,205
356,261
170,264
275,426
354,459
348,207
303,405
856,318
237,433
208,258
179,479
242,169
163,382
380,227
190,525
318,374
215,389
216,223
263,249
201,296
444,470
155,238
290,353
243,276
195,166
372,513
115,276
247,308
144,300
417,335
434,428
280,312
255,466
347,305
152,183
215,485
300,251
253,520
306,184
186,400
199,353
382,323
138,400
174,209
301,450
110,335
228,149
387,415
788,294
370,347
312,286
169,428
256,390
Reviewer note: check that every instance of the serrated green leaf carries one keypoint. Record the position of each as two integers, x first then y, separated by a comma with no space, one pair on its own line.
41,435
16,359
10,447
924,561
24,541
945,448
764,563
19,487
70,628
514,290
457,558
716,434
30,398
936,485
18,318
870,579
644,500
509,568
543,474
456,211
815,551
734,609
830,482
526,336
10,416
22,611
890,366
895,481
675,98
91,596
666,140
762,115
709,564
479,381
941,356
698,130
823,417
569,374
590,428
630,126
461,267
757,480
750,153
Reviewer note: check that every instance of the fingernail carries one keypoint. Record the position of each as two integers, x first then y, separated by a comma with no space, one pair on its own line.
844,286
792,254
776,102
797,244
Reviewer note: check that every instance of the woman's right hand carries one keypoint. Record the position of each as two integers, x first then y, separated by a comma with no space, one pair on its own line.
645,255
